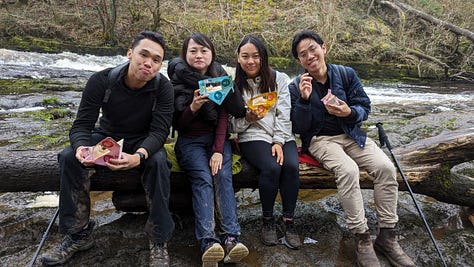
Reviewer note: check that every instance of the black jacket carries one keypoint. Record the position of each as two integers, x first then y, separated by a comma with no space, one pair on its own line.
185,81
127,113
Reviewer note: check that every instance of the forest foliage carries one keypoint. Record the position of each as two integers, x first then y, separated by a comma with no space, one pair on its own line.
357,31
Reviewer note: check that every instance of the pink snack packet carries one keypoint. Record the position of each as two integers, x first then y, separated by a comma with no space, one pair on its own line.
329,98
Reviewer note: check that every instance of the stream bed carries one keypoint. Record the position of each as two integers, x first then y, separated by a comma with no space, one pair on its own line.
39,95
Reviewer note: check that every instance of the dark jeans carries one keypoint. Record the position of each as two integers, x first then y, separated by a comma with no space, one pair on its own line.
212,195
273,176
74,198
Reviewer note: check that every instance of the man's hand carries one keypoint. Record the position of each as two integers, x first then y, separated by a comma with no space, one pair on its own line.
341,109
215,163
128,161
198,101
277,151
81,157
305,86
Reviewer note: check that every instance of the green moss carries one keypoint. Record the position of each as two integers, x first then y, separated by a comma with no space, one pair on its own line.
22,86
468,172
51,101
443,177
450,124
43,142
51,114
280,63
31,43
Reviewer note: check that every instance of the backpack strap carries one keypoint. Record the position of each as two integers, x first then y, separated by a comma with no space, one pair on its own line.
343,73
113,79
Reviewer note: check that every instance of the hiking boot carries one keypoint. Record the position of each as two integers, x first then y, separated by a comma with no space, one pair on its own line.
386,243
365,252
69,246
234,250
268,234
213,253
159,255
290,237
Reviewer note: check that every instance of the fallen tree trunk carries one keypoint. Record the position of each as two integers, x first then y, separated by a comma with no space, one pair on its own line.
426,164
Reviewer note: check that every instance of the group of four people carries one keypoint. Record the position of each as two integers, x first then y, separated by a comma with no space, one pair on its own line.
140,105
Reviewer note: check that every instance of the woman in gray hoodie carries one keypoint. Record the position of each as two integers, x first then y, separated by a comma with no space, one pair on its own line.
266,140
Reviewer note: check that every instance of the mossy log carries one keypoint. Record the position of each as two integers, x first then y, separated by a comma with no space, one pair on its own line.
426,163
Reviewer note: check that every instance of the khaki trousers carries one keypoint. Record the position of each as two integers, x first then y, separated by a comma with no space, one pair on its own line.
341,155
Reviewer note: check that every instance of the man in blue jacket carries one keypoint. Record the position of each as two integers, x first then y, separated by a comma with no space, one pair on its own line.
328,107
137,105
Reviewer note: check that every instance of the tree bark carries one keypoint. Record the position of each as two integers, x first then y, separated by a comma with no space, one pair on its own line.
425,163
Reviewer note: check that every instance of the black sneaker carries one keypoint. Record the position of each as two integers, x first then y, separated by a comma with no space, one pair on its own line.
268,234
290,237
159,255
234,250
212,255
69,246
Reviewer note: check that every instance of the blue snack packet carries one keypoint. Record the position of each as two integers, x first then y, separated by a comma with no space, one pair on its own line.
217,88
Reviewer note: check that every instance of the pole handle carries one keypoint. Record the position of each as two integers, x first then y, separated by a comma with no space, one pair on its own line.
382,136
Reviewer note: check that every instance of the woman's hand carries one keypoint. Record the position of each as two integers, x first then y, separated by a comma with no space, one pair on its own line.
277,151
215,163
198,101
252,116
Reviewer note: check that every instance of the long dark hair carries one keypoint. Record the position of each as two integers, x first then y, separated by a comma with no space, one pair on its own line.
268,82
203,40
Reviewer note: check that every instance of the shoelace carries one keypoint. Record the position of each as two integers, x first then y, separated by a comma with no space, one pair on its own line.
230,239
290,227
67,242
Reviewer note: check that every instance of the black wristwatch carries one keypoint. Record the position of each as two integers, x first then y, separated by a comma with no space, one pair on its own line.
142,158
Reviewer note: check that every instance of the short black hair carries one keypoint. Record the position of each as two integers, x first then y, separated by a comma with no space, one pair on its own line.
299,36
150,35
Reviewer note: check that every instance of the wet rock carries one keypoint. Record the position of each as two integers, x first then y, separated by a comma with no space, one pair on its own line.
121,241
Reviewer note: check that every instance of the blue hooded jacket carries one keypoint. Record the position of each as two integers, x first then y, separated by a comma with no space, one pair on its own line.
307,116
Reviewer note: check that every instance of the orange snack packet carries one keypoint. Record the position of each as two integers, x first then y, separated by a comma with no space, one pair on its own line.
261,103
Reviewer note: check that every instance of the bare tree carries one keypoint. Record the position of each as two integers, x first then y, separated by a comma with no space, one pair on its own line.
156,13
108,16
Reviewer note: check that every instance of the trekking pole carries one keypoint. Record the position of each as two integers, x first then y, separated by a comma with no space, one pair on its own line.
384,141
43,239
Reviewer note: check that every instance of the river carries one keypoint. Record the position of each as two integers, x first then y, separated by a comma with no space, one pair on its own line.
409,112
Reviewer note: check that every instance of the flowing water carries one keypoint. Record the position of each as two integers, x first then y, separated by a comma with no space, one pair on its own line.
409,113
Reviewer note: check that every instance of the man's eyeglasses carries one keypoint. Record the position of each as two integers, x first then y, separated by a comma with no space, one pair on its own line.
311,50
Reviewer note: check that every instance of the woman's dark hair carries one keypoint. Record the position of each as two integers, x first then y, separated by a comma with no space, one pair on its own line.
150,35
268,82
203,40
303,35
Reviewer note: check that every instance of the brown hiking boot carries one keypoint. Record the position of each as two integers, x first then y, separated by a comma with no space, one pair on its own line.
159,256
290,238
69,246
269,234
365,252
387,244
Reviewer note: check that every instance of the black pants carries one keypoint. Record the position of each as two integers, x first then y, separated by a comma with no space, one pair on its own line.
74,198
273,176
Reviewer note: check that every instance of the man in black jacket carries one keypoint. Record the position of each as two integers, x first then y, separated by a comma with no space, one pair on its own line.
137,106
